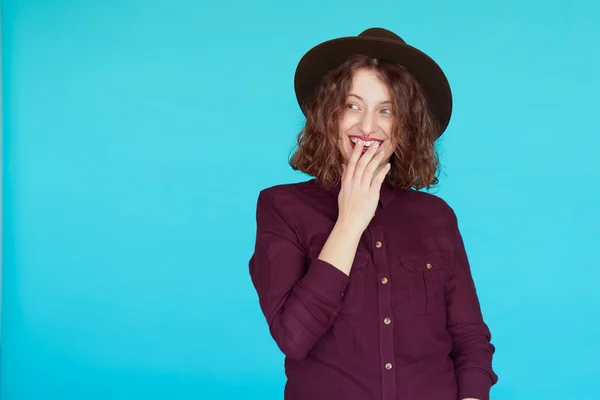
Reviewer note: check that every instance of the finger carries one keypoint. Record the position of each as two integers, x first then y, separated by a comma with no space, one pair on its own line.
364,161
371,168
351,167
379,178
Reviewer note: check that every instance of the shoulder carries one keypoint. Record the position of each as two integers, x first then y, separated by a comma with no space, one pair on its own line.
429,204
278,194
275,191
427,200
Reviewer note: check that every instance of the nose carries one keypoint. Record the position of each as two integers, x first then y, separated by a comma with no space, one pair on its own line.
368,124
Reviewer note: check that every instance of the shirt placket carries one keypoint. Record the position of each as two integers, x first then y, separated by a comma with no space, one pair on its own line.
384,301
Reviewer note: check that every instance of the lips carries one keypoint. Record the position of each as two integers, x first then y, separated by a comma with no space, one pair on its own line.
365,148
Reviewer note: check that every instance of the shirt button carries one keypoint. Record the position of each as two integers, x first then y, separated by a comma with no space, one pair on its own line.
384,280
387,321
388,366
429,266
378,244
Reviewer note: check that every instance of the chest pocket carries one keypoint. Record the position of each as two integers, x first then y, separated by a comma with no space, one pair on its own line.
425,277
352,300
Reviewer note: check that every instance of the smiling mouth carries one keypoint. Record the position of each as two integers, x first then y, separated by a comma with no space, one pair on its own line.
367,144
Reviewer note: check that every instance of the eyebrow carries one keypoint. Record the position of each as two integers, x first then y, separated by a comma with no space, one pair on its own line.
361,99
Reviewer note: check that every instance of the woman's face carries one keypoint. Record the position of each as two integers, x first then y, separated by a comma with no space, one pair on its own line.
367,115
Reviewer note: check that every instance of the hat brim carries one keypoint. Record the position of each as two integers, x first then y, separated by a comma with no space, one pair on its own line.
321,59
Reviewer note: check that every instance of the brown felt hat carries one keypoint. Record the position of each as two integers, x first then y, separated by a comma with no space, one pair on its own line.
382,44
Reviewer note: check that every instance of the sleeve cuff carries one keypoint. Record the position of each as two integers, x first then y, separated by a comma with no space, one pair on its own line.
326,280
474,383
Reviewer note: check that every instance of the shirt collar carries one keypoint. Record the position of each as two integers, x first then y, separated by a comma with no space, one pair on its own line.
386,195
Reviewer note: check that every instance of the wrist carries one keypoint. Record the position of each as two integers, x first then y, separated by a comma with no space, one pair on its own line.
348,229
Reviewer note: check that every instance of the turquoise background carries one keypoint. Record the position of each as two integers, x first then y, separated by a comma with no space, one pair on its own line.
137,134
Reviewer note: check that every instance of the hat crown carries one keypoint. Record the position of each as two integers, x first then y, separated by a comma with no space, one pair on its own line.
382,44
381,33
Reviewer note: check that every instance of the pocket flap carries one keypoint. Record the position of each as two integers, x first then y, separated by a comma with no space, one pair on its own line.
429,263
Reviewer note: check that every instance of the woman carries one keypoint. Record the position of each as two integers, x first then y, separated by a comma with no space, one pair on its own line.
363,279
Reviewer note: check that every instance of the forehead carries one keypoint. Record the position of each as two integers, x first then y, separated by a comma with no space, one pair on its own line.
366,82
367,78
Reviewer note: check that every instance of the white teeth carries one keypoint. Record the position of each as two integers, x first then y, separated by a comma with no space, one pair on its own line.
366,144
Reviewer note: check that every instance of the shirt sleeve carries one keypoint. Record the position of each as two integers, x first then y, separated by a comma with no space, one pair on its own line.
299,301
472,350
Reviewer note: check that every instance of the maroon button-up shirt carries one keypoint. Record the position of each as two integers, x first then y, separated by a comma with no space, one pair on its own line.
406,324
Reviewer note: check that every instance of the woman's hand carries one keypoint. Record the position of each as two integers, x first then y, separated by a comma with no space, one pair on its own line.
360,187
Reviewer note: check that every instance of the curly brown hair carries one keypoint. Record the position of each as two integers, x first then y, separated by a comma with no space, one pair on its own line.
415,161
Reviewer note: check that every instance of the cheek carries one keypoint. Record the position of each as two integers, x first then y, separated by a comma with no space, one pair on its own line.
389,149
344,145
346,123
388,153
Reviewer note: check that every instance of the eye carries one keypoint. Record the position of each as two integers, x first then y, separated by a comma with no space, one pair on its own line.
351,105
386,111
